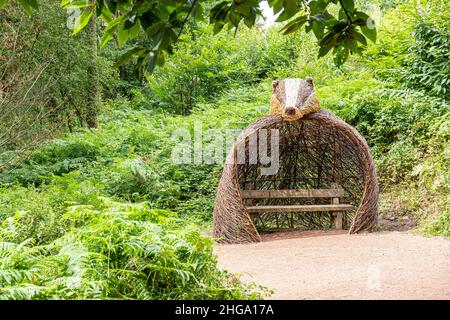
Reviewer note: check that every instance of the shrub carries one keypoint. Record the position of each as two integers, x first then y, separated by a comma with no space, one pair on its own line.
27,214
427,63
439,225
54,158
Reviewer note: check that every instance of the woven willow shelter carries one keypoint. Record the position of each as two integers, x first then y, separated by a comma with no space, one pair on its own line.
319,151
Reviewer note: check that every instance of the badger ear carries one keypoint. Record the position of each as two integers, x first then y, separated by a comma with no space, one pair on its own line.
310,80
275,84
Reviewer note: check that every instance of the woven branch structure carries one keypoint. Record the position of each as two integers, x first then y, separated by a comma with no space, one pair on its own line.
318,151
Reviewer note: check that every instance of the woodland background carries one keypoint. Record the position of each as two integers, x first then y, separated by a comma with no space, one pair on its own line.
91,205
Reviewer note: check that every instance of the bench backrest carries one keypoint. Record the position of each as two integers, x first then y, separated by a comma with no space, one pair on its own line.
295,193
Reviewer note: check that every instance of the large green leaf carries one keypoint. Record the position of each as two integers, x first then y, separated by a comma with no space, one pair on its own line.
294,25
327,43
360,38
290,7
77,4
370,33
250,19
318,29
135,30
340,55
218,26
113,25
349,5
63,3
122,36
276,5
129,55
350,43
82,21
324,50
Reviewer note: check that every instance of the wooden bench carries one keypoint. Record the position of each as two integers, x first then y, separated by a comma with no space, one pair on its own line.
334,194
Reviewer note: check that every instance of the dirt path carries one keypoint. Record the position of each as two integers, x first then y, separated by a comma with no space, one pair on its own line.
332,265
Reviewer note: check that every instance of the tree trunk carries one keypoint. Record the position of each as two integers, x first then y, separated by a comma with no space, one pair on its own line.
94,94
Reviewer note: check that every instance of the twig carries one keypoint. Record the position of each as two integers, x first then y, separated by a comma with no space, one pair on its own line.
346,12
187,17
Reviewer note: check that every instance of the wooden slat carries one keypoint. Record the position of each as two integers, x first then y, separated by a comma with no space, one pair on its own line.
299,193
248,186
300,208
337,215
338,220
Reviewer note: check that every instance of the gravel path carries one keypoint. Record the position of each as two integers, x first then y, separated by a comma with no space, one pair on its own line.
334,265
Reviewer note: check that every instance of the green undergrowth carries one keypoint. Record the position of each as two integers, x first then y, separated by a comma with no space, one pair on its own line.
121,251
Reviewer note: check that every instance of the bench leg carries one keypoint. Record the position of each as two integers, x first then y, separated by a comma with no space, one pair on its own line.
338,220
337,215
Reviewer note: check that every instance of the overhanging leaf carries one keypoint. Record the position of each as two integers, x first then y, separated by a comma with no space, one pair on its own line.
64,2
318,29
129,54
122,36
370,33
290,7
135,30
349,5
77,4
360,38
324,50
294,25
218,26
250,19
82,21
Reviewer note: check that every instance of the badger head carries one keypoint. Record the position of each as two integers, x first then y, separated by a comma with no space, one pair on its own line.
292,97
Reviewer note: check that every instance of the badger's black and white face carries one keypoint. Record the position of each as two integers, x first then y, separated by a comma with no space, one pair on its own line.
292,95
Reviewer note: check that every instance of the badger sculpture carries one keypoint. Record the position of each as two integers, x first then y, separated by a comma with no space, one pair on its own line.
293,98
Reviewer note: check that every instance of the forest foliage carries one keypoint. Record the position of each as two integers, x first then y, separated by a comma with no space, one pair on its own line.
45,92
105,213
336,24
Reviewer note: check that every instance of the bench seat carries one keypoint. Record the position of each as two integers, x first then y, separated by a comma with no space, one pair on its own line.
301,208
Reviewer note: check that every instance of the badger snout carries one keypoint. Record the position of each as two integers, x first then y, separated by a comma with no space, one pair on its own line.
290,111
291,114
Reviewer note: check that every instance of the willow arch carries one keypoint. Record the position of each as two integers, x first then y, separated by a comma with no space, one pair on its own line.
314,152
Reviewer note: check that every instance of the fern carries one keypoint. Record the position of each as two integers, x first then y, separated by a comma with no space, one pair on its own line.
126,251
